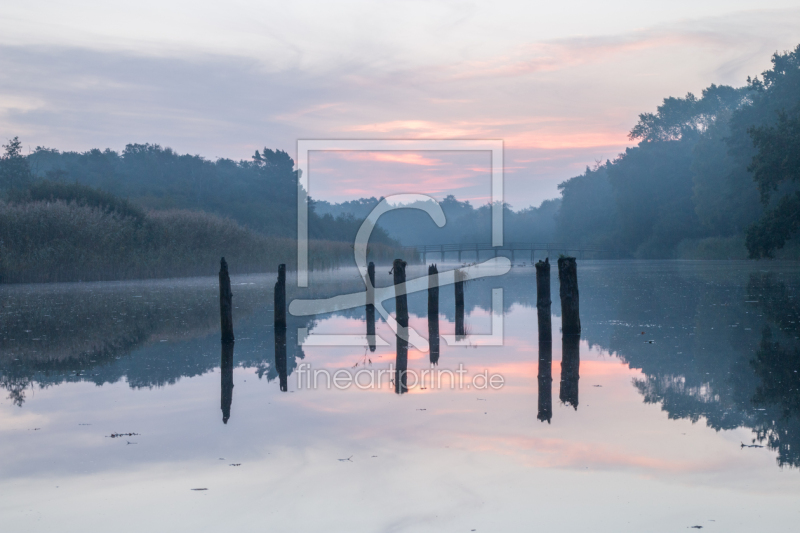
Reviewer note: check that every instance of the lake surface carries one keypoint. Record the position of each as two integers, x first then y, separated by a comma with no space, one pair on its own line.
680,365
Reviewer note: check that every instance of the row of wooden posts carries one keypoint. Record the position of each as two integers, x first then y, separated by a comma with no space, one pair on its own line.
226,328
570,327
398,269
226,301
570,335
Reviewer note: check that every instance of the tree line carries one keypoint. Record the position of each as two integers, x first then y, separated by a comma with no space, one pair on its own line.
465,223
713,176
719,172
260,193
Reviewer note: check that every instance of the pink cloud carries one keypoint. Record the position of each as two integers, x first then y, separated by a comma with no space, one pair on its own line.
565,53
421,129
405,157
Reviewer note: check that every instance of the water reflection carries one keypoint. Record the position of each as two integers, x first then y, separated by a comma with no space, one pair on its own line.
226,380
715,343
461,331
280,356
401,304
149,334
570,369
711,343
545,378
370,310
777,366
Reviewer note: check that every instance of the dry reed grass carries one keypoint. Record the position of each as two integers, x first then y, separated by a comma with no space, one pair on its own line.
59,241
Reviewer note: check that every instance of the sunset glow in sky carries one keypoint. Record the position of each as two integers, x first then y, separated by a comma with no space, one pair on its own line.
560,83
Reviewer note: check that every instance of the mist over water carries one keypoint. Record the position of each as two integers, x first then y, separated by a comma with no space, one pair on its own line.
678,366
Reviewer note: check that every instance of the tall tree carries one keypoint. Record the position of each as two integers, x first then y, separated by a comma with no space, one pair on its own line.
775,166
15,171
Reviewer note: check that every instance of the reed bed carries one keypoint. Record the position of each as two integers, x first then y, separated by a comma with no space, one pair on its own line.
60,241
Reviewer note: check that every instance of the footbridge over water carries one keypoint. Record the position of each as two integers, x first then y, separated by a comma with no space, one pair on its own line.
514,250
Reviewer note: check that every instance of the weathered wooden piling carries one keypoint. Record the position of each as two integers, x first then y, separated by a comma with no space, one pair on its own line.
280,297
280,356
371,307
570,369
568,281
433,313
401,310
543,300
545,374
226,385
459,287
545,377
225,302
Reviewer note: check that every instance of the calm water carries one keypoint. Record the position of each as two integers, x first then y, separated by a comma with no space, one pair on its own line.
681,363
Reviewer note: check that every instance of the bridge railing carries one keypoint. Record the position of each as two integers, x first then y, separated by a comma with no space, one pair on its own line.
509,247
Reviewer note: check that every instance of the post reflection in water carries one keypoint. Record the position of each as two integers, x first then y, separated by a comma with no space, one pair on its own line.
370,311
401,367
226,372
280,355
745,353
459,287
401,359
570,366
545,381
433,313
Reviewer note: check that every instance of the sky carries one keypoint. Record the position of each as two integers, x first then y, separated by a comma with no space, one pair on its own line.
560,83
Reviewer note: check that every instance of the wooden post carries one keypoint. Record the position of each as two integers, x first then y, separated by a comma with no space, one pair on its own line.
371,307
459,285
226,385
570,370
543,300
568,281
225,302
280,297
433,313
401,309
545,381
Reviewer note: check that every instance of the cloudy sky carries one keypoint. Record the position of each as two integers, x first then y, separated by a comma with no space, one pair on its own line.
561,83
